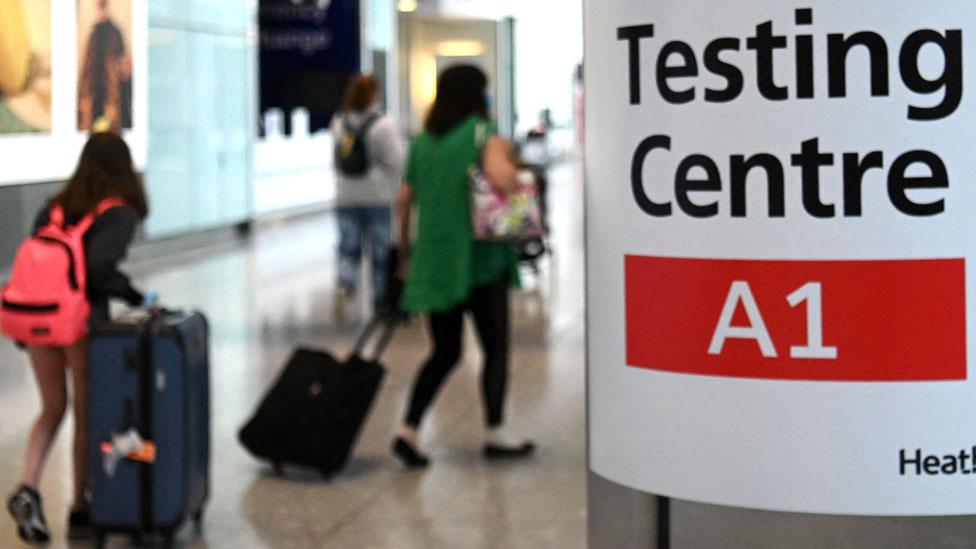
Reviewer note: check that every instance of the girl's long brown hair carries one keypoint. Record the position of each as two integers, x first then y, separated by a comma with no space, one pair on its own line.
104,171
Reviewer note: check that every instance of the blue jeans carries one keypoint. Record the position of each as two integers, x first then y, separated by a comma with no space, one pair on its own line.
359,227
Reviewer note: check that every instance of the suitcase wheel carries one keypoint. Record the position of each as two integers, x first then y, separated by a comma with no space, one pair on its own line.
279,468
198,522
100,539
169,539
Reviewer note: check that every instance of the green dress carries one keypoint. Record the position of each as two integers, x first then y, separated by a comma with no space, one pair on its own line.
446,263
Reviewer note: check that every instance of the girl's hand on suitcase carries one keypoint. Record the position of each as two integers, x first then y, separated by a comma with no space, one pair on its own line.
150,299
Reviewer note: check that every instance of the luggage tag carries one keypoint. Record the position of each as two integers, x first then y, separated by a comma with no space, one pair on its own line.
128,445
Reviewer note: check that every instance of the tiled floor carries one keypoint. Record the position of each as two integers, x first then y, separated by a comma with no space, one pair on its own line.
275,293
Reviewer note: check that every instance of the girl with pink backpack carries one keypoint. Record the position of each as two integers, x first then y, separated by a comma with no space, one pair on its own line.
62,279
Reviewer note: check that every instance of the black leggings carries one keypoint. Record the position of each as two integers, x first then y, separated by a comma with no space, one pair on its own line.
489,307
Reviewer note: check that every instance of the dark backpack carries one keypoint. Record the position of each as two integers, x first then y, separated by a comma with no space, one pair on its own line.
351,156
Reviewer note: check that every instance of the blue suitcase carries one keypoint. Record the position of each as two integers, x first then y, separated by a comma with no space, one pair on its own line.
149,376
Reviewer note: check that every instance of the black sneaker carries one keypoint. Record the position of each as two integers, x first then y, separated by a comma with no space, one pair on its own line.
79,525
25,508
502,451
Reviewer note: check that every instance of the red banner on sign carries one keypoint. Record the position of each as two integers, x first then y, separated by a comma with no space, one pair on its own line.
798,320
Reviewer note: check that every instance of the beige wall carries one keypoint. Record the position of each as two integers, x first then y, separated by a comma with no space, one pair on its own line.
427,37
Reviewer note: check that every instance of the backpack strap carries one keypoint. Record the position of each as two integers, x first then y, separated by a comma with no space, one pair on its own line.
373,119
89,219
363,128
108,204
56,217
346,126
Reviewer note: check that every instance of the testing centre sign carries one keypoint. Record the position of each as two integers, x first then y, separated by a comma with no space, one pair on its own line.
781,229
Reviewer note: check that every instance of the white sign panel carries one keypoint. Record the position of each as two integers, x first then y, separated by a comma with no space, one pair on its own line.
780,245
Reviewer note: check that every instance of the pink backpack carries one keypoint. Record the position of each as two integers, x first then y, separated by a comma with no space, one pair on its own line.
45,302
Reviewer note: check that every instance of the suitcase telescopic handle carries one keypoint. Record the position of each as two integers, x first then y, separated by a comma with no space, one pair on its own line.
149,329
389,323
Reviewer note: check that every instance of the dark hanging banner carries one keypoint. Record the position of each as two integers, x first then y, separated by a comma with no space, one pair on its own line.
309,52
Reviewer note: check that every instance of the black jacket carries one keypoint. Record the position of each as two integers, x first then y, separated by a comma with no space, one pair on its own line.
106,245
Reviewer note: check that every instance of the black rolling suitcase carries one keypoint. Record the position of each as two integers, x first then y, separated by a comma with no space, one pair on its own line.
313,413
149,424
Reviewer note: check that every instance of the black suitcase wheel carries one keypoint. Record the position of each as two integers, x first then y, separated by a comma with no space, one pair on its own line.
100,539
198,522
169,539
279,468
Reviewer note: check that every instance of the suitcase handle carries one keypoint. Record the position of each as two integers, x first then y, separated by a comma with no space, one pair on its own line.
389,321
149,328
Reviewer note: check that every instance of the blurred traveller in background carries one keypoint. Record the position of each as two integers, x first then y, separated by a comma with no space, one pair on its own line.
369,167
105,87
447,272
104,172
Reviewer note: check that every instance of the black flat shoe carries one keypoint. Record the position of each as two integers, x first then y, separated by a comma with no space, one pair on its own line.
408,455
500,451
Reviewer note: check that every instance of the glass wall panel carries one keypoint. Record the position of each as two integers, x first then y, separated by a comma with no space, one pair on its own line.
201,121
168,174
173,9
235,157
205,133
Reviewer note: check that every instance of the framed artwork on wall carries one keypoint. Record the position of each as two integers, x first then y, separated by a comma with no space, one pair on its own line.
25,66
104,65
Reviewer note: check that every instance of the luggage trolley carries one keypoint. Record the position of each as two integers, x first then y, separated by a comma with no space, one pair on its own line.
534,156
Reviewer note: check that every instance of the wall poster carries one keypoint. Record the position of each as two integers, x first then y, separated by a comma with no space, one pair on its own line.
104,64
67,68
25,66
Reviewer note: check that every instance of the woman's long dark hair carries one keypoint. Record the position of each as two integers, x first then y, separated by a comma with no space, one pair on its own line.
460,93
104,171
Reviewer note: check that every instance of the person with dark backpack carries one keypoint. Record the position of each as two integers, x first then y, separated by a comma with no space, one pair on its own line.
369,160
351,157
62,279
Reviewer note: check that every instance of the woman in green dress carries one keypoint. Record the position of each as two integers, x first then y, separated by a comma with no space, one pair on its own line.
448,273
